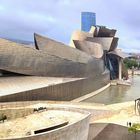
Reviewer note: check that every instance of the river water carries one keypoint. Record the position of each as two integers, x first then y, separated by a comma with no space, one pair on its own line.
118,94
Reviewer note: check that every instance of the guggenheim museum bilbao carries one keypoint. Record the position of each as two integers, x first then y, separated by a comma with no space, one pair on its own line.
51,70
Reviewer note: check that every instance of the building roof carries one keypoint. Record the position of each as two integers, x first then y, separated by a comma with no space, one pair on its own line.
119,53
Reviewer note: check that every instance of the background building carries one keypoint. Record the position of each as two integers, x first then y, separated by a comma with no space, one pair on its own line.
88,19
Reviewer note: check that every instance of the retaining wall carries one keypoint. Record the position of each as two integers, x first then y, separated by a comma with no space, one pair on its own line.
63,92
75,131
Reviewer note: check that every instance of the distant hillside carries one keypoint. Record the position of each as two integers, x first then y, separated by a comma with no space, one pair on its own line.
21,41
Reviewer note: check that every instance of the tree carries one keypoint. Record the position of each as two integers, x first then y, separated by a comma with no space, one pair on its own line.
134,129
130,62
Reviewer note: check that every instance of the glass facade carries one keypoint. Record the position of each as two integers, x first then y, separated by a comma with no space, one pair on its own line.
112,65
88,19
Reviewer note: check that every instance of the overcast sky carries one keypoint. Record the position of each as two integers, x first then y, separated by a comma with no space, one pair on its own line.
57,19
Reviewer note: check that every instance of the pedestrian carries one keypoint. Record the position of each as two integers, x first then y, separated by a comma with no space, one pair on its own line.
130,124
127,124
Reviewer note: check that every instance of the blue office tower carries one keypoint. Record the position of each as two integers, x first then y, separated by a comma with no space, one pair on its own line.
88,19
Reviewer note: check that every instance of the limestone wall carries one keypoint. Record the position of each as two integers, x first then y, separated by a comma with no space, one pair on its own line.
16,113
62,92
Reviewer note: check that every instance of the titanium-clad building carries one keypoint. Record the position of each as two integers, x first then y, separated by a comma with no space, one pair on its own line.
88,19
56,71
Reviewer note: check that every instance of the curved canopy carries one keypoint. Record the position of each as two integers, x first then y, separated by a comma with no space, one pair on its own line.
119,53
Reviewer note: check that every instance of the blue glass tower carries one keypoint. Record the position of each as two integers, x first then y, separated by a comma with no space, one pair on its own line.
88,19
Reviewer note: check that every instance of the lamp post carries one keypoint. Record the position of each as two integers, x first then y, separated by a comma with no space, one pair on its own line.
138,57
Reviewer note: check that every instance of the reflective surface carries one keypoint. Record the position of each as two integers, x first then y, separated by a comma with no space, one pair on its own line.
117,94
55,60
88,19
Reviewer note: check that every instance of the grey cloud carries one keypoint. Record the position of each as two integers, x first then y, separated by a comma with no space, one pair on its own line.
58,18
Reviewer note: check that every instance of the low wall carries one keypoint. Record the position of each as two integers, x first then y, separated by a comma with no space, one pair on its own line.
75,131
16,113
136,72
62,92
104,131
96,113
87,96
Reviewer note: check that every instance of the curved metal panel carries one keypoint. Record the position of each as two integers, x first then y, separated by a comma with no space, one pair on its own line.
105,32
90,48
108,43
79,35
25,60
59,49
92,30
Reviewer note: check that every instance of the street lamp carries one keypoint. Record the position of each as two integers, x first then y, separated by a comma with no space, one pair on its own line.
138,61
